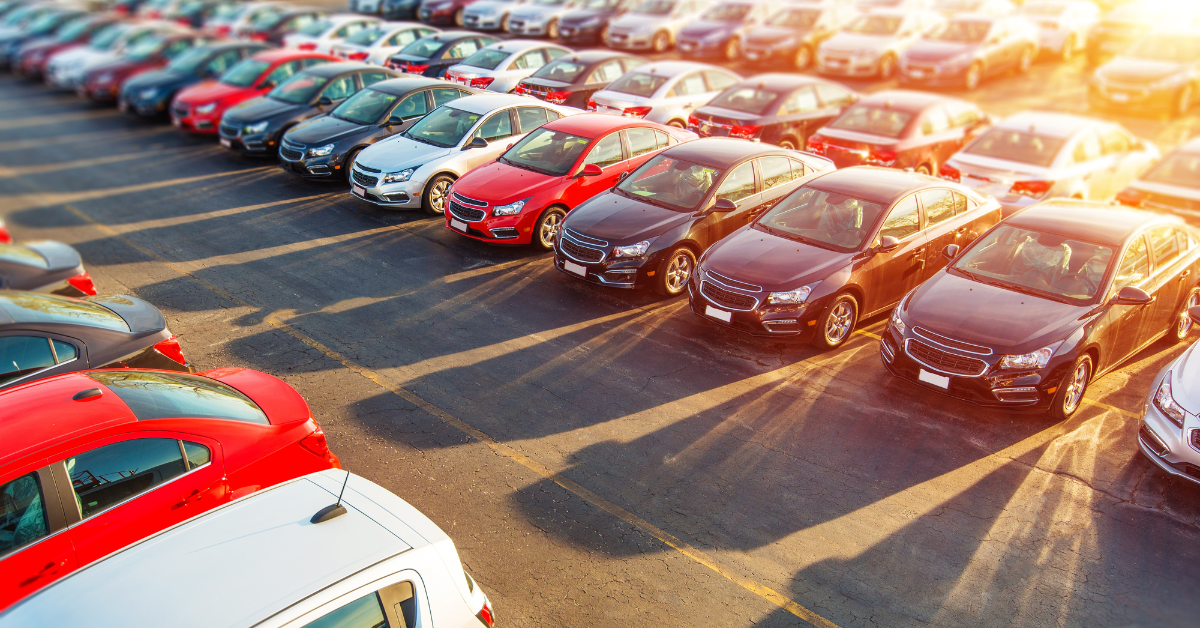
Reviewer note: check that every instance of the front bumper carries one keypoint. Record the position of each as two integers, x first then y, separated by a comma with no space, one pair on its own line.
702,48
526,28
1173,449
365,185
516,229
630,41
932,74
441,16
569,34
184,117
481,22
713,302
625,273
1122,97
99,92
768,55
147,108
847,66
231,137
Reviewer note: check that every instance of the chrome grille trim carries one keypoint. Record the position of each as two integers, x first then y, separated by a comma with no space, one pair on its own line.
710,292
726,282
943,370
469,201
950,343
364,180
464,213
582,239
568,239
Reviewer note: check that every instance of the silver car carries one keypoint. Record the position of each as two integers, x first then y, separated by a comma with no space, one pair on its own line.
489,15
666,92
377,43
1063,25
872,43
67,69
1037,155
416,168
1170,431
653,24
501,66
540,17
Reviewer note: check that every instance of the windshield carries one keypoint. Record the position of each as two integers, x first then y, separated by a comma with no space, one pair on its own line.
1175,48
546,151
153,395
727,13
562,70
745,99
1046,9
316,28
1177,169
423,48
104,38
875,24
365,107
366,36
228,12
145,48
654,7
1045,263
245,73
873,120
964,31
486,59
445,127
18,14
299,89
795,18
672,183
1026,148
638,84
73,29
190,61
267,20
45,24
823,218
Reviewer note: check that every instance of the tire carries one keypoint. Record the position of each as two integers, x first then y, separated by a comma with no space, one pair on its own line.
925,169
1070,391
837,323
1025,62
348,162
1183,101
733,50
1182,325
504,23
679,124
546,228
661,42
675,272
603,35
887,66
433,201
788,143
804,57
552,29
972,77
1068,50
458,18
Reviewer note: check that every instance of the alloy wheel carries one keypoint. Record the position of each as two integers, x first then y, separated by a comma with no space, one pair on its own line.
1076,386
839,323
1184,103
803,58
1184,325
887,67
1068,51
1026,61
552,29
974,73
437,195
549,229
661,42
679,272
732,50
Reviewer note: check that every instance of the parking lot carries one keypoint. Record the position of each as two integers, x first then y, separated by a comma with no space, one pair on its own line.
605,458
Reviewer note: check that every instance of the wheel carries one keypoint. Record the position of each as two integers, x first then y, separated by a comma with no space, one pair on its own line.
679,124
732,50
604,34
1070,391
434,200
348,162
504,23
803,58
835,325
1025,63
973,76
1182,325
458,18
1183,101
552,29
887,66
662,41
925,169
675,272
787,143
546,228
1068,49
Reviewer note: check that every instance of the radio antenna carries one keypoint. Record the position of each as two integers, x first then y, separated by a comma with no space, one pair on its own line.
332,511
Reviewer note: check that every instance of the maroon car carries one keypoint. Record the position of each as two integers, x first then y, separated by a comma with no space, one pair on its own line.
103,83
900,129
31,60
443,12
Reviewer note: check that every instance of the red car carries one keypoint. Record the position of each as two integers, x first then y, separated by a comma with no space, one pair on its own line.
522,197
5,236
103,83
32,60
93,461
198,109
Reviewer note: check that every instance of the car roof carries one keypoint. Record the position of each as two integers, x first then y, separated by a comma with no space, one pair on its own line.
674,68
402,86
330,70
273,55
1191,146
906,100
1050,124
485,103
779,82
448,36
338,18
514,46
722,152
875,184
595,124
1089,220
588,57
258,556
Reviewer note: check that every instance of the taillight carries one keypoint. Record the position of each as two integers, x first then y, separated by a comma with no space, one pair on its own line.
591,106
637,112
1033,189
170,348
83,283
485,615
317,444
414,68
357,56
558,98
950,173
746,132
258,36
482,82
883,156
520,90
183,21
693,122
1131,197
307,46
223,30
5,236
816,145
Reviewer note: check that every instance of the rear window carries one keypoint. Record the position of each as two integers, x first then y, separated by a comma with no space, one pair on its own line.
1026,148
563,70
21,255
873,120
638,84
486,59
28,307
175,395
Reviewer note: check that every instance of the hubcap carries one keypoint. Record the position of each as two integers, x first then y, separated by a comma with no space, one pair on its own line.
972,78
437,196
838,325
1075,388
679,271
802,58
550,229
1185,321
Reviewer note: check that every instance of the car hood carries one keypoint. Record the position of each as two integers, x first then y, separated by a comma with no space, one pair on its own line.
500,184
399,153
58,256
582,15
325,129
637,22
211,91
535,12
704,28
850,42
1130,70
620,219
264,108
768,35
158,78
979,313
778,264
925,50
545,82
1183,377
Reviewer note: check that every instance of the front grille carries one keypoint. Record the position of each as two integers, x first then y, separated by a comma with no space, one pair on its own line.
726,298
943,361
469,201
367,181
462,212
228,131
732,283
366,169
579,252
585,239
952,343
290,154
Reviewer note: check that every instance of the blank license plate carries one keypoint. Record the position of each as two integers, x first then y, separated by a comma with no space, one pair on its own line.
575,268
720,315
935,379
226,143
458,224
1119,97
358,190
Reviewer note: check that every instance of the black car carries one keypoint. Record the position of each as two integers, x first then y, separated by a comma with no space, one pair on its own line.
45,266
45,25
272,27
791,36
150,94
308,94
718,31
1172,184
45,334
588,25
1161,72
844,246
571,80
781,109
322,146
648,230
1047,301
431,56
399,9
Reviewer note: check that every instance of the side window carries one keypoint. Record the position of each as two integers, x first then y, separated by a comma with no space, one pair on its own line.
443,95
718,81
302,21
414,106
197,455
283,72
738,184
403,38
462,49
962,114
531,118
802,100
935,121
1165,242
25,355
313,61
551,116
643,140
833,96
222,62
1135,266
365,612
940,205
606,152
799,169
531,60
177,47
340,88
351,29
22,513
109,475
1088,148
606,73
1115,142
371,78
499,126
689,85
904,220
775,171
632,63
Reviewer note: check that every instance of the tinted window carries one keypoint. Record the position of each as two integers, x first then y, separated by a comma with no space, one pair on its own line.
689,85
607,151
22,513
413,106
367,106
371,78
530,61
245,73
283,72
606,73
935,121
718,81
27,307
64,352
775,171
1026,148
643,140
904,220
486,59
424,48
445,126
563,70
673,183
174,395
873,120
638,84
802,100
1165,243
197,455
1135,266
23,355
365,612
1044,262
833,96
546,151
462,49
109,475
403,38
941,205
223,62
443,95
531,118
739,184
747,98
824,217
340,88
799,169
497,127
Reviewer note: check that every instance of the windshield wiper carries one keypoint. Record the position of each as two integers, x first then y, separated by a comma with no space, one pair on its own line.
1015,287
420,139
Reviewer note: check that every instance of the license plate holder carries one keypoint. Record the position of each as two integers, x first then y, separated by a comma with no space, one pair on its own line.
458,225
720,315
358,190
1119,97
226,143
941,381
575,269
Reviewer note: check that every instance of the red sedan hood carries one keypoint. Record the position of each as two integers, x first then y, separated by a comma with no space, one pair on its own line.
210,91
500,184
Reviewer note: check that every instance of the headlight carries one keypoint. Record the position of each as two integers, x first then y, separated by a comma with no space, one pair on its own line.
320,151
148,94
897,323
1175,80
1166,403
792,297
398,177
632,250
256,128
510,209
206,109
1035,360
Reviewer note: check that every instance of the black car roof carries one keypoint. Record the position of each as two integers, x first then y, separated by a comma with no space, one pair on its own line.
1089,220
330,70
722,152
588,57
402,86
906,100
872,183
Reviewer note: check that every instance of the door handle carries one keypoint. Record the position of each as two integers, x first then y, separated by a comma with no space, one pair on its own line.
192,497
1184,274
918,253
49,570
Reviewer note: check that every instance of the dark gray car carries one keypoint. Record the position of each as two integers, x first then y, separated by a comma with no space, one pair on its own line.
45,266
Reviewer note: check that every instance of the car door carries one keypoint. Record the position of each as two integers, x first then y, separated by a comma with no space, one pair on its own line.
946,220
1120,327
887,277
132,485
34,551
941,140
404,114
28,355
779,176
1168,279
610,155
740,185
396,601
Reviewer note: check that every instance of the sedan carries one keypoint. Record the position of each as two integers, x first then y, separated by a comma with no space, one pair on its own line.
1124,25
652,24
719,30
32,57
150,94
1161,72
431,56
1044,303
443,12
489,15
376,43
1172,184
416,168
542,18
114,456
667,92
792,35
572,80
1170,431
1035,155
588,24
871,45
46,24
964,50
322,34
231,20
273,26
103,82
44,266
648,231
845,246
501,66
992,8
780,109
46,334
326,145
523,196
1063,25
311,93
67,69
901,129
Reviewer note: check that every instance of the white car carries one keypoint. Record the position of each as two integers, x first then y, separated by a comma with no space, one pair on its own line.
1170,431
252,11
653,24
992,8
1035,155
416,168
322,34
501,66
1063,25
540,18
666,92
225,22
376,43
268,561
67,69
489,15
872,43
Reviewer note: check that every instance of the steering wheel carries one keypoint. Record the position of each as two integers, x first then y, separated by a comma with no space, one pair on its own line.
1093,287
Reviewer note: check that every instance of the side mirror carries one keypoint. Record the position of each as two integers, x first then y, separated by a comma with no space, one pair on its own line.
267,85
1130,295
324,101
478,142
950,252
724,205
1194,314
394,120
591,170
887,244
